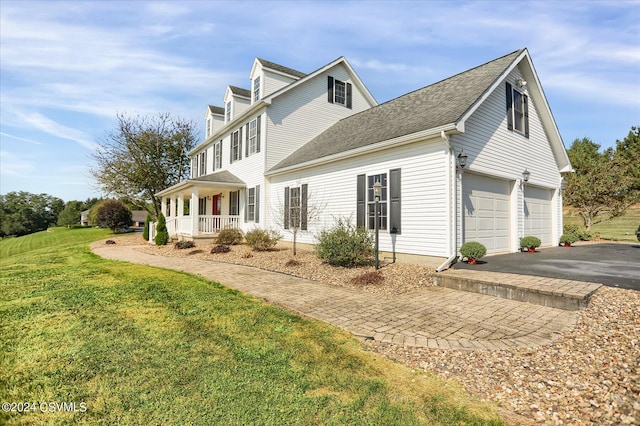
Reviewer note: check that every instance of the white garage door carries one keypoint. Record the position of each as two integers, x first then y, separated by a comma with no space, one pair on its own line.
537,214
486,206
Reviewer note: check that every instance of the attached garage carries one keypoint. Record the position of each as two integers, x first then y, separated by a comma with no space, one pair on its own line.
537,214
487,212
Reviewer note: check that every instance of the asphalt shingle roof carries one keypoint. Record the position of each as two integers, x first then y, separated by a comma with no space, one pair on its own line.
439,104
281,68
220,177
240,91
216,110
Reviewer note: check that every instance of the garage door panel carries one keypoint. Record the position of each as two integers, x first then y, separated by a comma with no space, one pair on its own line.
537,214
487,212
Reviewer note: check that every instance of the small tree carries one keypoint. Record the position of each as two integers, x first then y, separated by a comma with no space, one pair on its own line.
71,213
297,211
162,235
113,214
145,230
345,245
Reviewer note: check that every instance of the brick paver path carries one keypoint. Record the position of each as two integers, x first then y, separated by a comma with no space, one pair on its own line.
433,317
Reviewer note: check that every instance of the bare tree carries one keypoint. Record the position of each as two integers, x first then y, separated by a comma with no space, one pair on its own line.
144,155
297,209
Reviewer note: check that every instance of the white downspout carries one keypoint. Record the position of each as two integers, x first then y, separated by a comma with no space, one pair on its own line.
452,179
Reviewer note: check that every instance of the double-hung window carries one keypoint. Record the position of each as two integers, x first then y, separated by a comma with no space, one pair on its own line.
295,207
389,209
517,110
236,145
203,163
217,155
202,206
252,208
234,203
227,109
256,89
339,92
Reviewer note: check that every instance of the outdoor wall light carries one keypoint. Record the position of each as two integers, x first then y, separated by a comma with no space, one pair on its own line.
526,175
462,159
521,83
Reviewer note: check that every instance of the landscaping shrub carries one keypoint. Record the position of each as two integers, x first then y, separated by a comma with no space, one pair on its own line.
530,242
473,250
568,238
184,244
345,245
145,230
262,240
580,233
220,248
368,278
230,236
162,235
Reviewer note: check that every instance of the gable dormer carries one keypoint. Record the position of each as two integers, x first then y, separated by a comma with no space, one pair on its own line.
236,101
268,77
214,120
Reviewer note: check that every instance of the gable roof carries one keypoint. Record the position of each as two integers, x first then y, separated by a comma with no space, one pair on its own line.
216,110
240,91
436,106
280,68
222,178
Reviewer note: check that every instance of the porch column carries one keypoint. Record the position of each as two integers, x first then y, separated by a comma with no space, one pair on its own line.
172,206
194,210
180,211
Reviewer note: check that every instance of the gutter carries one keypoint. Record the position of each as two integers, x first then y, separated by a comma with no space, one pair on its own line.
454,256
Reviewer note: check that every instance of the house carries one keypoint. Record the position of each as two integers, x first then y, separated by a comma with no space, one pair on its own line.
474,157
138,218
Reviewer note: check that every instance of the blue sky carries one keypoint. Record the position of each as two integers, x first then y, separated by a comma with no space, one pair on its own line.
67,68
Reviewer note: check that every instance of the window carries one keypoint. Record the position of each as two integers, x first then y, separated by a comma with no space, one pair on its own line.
236,145
252,210
234,203
295,207
208,127
389,203
202,206
517,110
253,137
339,92
371,210
167,208
203,163
227,108
217,155
256,89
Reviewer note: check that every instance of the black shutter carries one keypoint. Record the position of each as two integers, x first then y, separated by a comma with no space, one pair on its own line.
330,89
525,99
361,210
509,107
246,145
257,212
286,208
349,95
259,119
240,143
394,200
303,207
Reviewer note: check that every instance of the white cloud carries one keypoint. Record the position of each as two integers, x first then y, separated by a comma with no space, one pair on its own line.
20,139
46,125
15,165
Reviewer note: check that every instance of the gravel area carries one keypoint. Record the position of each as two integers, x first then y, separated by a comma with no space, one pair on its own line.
589,376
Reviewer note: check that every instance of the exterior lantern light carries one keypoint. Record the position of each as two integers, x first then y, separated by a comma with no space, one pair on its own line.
563,184
526,175
377,192
462,160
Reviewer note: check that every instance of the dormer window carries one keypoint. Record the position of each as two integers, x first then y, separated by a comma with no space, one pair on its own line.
339,92
208,127
256,89
227,111
517,110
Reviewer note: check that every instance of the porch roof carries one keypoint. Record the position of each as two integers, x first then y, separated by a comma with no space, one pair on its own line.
219,179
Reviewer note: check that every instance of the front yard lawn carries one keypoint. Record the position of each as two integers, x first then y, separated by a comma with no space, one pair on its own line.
141,345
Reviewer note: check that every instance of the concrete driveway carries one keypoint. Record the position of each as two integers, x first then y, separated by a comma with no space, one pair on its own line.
611,264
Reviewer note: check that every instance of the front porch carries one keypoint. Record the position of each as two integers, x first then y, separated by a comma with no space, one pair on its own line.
202,207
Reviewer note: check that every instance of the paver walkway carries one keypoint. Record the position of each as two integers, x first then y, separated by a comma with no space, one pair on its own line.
433,317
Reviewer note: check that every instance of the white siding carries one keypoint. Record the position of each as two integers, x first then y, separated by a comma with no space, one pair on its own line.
423,196
302,113
273,82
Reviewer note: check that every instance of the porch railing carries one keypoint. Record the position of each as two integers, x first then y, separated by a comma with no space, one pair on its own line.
211,224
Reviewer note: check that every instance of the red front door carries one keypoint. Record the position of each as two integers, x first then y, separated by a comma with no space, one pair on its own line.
216,205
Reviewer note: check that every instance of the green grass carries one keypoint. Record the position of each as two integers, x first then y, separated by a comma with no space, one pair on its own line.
53,237
142,345
618,229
